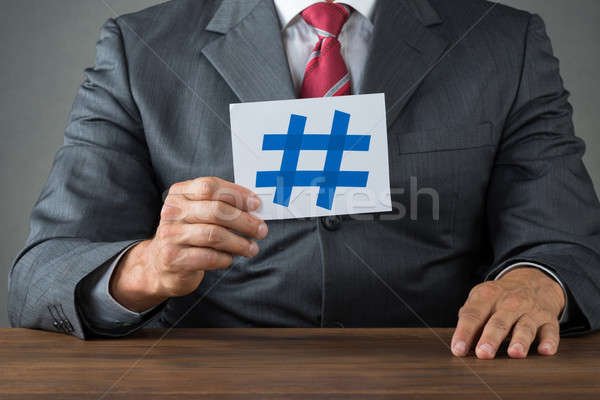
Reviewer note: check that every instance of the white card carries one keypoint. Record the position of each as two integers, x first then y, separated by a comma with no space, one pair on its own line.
313,157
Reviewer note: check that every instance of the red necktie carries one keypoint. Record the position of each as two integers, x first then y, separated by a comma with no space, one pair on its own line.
326,72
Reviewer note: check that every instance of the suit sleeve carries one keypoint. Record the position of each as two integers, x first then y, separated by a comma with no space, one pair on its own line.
542,207
101,196
104,315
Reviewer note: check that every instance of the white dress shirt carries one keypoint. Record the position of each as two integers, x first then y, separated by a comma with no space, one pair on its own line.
299,38
101,311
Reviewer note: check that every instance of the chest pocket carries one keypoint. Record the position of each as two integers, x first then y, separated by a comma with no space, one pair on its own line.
444,139
432,171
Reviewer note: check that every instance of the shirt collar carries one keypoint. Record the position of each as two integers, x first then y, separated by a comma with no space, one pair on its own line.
287,10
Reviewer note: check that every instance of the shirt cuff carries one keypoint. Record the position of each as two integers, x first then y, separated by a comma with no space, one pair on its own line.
102,311
564,315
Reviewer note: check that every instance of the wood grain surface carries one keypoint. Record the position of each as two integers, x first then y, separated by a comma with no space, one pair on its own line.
285,364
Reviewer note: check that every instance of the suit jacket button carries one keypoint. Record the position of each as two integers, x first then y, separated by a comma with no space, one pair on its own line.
332,222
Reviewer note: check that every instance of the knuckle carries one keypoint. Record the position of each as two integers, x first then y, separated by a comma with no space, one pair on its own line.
214,211
206,187
486,290
244,222
499,324
527,325
234,214
209,257
528,319
212,235
175,188
547,317
167,233
234,197
173,199
469,313
526,329
228,213
169,255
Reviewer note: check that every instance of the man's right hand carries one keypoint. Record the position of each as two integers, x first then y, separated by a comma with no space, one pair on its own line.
195,234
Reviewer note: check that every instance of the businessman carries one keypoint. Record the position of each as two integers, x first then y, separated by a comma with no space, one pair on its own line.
140,225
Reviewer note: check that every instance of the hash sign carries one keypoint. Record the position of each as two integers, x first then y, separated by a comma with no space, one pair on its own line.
330,177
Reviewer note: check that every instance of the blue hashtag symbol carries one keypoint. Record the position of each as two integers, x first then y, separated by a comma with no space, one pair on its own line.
330,177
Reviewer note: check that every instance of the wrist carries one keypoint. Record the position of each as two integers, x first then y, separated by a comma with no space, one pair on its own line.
131,283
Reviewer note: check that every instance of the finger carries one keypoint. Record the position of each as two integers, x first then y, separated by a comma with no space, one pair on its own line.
218,190
225,215
471,318
495,331
193,259
523,335
549,337
215,237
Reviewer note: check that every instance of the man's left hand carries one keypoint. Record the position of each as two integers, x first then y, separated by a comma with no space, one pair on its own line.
525,302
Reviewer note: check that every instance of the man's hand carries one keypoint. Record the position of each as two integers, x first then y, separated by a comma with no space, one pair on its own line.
195,234
525,301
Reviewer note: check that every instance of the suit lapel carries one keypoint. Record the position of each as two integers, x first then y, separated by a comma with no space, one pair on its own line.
250,55
403,51
251,58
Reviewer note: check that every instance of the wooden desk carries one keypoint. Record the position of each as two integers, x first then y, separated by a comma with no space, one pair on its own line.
284,364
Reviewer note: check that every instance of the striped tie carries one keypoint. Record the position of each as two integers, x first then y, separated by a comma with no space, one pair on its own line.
326,72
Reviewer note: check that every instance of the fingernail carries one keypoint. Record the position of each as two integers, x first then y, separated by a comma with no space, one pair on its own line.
546,348
459,348
263,230
517,348
253,203
485,350
253,249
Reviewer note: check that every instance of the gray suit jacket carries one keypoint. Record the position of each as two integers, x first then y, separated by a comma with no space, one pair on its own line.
476,111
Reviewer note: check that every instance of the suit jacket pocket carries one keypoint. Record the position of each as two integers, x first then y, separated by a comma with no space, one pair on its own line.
445,139
432,170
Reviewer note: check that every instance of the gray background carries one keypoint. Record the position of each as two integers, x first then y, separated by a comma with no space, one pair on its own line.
46,45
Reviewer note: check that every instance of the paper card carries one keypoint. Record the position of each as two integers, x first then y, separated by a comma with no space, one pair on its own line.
313,157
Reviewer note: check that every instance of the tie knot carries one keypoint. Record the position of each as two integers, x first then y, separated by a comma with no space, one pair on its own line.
327,18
